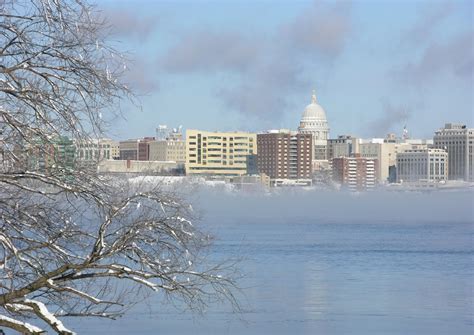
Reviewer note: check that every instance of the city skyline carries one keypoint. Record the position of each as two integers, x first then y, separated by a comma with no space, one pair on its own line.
237,167
379,65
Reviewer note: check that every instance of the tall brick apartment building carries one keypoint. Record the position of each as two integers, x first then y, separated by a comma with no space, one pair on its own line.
285,155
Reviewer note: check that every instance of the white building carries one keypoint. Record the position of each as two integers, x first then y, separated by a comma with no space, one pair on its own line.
422,165
140,167
110,145
385,152
457,140
314,122
95,150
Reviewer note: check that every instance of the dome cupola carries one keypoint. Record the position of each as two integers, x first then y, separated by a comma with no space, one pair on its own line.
314,112
313,121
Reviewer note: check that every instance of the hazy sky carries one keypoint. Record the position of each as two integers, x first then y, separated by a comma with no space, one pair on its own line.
251,65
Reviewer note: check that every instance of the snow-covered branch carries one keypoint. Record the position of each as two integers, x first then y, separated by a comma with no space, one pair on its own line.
42,312
22,327
72,242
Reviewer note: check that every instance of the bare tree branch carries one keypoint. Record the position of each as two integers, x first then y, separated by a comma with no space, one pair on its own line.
72,242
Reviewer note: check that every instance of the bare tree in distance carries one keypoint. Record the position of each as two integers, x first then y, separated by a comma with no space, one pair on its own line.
73,243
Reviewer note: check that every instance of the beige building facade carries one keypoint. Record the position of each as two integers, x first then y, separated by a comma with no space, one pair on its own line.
95,150
114,149
168,150
416,165
343,146
385,152
458,140
219,153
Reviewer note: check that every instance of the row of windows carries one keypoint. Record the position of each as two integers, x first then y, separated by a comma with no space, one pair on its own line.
218,144
102,146
237,138
432,159
219,161
217,168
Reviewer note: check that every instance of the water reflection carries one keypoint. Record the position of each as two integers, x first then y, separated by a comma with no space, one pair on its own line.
307,274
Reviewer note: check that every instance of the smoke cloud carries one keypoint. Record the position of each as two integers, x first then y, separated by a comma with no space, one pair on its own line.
391,119
267,69
130,25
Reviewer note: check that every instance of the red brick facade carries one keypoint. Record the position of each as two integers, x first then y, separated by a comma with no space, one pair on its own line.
285,155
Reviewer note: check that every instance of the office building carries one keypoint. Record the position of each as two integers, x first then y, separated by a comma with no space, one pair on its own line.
385,150
457,140
95,150
170,148
342,146
427,165
219,153
136,149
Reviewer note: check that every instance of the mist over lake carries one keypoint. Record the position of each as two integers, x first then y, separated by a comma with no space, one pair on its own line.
319,262
296,204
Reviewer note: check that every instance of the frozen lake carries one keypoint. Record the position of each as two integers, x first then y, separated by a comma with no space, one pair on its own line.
331,263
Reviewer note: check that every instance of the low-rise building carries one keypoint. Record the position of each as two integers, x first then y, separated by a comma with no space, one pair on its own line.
172,148
95,150
136,149
430,165
385,150
114,148
250,183
49,155
140,167
40,154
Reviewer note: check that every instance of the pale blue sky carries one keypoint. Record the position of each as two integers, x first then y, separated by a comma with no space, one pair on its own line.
251,65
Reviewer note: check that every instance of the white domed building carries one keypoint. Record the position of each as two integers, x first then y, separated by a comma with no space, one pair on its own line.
314,122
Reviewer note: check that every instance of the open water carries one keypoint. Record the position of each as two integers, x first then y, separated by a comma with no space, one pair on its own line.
331,264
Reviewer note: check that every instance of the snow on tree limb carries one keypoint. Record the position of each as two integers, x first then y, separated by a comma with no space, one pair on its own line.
42,312
22,327
80,293
83,243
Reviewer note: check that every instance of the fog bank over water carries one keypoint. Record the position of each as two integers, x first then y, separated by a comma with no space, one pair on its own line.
308,205
319,262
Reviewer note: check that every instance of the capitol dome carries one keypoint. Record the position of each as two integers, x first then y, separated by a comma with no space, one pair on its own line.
313,112
314,122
